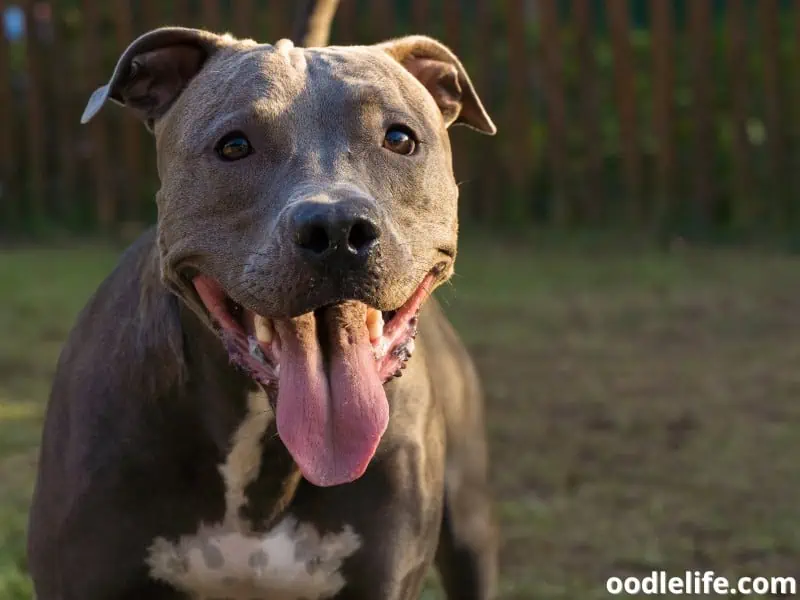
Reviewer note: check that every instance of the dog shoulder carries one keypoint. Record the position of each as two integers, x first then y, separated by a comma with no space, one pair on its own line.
126,346
446,354
129,328
123,352
455,381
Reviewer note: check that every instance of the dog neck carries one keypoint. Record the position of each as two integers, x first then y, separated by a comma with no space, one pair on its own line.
231,410
259,474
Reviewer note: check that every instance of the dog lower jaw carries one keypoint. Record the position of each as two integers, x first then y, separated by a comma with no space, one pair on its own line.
324,374
254,347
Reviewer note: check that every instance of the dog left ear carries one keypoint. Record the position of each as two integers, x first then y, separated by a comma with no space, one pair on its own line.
154,70
440,71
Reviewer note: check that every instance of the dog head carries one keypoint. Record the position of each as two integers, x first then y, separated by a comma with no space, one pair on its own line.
307,208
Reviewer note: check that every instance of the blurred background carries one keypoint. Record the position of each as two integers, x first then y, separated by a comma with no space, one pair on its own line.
627,279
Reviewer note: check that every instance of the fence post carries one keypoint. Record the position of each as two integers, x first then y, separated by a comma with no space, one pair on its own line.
244,19
9,190
486,204
663,110
741,181
700,48
34,108
345,23
552,62
776,148
382,19
66,114
592,185
105,200
212,17
180,13
276,19
420,13
451,14
518,123
131,128
620,27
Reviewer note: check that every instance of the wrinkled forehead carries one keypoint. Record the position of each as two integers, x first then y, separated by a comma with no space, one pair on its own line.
282,81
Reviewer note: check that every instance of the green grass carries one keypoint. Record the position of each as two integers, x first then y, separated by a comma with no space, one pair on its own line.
643,407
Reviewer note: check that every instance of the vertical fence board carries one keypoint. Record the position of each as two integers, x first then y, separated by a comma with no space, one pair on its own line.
624,83
556,115
741,180
9,190
345,23
663,112
47,55
486,203
153,15
180,13
700,62
592,196
278,19
518,123
793,101
462,159
381,20
244,19
131,135
777,176
212,15
150,18
106,209
451,13
420,15
35,110
65,113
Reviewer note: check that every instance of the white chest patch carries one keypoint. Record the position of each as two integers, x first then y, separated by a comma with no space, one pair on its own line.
229,561
290,562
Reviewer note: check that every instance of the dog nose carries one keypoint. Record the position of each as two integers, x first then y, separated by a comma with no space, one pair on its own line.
343,229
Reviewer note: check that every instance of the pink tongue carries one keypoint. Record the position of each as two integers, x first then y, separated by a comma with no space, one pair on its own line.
330,422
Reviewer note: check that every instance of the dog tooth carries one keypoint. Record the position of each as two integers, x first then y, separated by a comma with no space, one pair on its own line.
374,324
263,328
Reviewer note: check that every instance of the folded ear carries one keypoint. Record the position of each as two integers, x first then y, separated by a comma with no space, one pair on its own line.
154,70
440,71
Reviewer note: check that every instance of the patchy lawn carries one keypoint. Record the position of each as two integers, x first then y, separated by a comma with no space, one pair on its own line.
644,408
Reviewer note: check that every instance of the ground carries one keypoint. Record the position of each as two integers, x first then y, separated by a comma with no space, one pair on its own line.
643,406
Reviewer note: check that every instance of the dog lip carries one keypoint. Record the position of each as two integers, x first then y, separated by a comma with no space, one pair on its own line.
187,272
260,358
448,251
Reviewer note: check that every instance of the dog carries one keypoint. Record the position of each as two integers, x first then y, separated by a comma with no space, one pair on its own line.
227,417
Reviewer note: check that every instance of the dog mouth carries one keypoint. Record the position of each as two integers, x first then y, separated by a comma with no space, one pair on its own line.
324,372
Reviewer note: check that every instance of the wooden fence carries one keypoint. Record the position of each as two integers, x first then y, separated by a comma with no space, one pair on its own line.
649,113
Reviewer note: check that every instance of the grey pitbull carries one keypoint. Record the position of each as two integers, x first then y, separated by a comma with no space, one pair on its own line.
225,420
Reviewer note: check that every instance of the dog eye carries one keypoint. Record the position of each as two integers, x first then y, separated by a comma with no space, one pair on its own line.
400,140
234,146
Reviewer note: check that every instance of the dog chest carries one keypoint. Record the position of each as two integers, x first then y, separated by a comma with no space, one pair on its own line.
231,561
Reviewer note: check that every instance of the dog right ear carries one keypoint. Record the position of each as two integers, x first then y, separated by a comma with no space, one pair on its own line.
154,70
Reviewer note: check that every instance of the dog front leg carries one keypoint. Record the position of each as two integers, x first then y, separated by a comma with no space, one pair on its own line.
468,542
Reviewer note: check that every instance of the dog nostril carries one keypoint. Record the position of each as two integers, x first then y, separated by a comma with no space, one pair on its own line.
314,238
363,235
